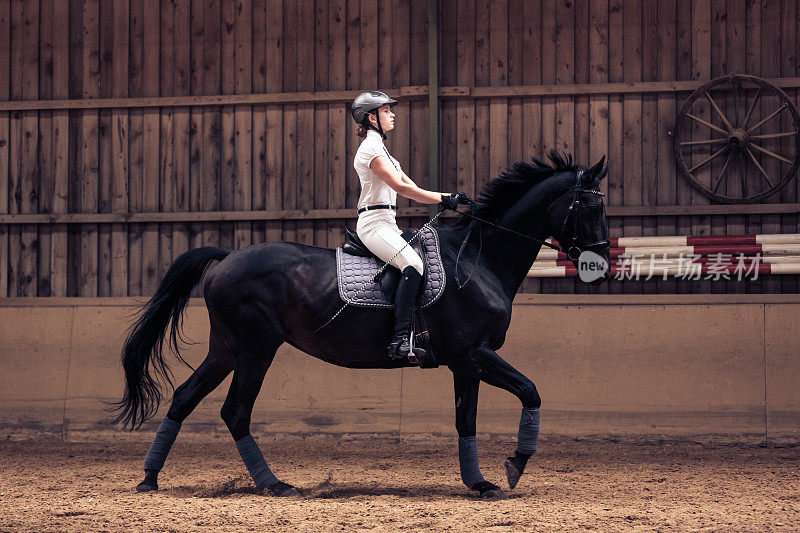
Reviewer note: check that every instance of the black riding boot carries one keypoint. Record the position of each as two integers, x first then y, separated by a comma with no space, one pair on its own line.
404,301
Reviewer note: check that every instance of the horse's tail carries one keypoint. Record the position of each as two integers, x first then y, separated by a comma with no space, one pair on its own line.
145,340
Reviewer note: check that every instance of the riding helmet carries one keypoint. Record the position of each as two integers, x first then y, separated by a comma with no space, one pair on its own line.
368,102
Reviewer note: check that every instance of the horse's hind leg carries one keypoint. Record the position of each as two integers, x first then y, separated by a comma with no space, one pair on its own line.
248,375
216,367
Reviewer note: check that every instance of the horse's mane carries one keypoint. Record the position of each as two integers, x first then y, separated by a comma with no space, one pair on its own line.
499,194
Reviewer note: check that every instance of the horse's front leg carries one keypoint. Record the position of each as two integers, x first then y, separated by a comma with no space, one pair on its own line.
490,368
466,391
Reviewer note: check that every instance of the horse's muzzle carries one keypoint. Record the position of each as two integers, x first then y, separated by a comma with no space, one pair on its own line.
603,249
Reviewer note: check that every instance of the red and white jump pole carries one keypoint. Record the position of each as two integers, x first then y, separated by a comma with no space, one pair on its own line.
687,255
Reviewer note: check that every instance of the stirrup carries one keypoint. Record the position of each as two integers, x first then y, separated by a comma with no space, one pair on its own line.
414,355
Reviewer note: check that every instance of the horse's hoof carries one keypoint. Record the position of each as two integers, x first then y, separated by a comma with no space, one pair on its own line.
146,487
513,472
494,495
283,490
489,491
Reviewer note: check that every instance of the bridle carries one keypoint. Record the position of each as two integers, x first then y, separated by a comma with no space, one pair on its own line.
572,251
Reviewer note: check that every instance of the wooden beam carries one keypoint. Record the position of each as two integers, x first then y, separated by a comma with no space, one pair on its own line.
519,299
701,210
322,97
196,216
414,92
345,214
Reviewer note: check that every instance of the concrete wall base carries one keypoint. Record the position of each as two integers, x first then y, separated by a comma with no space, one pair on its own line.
606,366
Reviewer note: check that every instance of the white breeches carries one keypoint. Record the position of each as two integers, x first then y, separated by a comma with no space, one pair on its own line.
379,232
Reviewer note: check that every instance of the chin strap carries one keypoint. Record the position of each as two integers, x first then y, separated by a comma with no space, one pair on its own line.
379,129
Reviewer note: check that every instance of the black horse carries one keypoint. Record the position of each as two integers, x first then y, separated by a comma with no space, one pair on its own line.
267,294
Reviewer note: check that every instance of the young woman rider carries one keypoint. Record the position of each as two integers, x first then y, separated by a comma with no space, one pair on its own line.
382,179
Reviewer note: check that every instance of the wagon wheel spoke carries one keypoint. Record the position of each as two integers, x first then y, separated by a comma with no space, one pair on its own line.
752,106
719,112
709,158
704,123
736,87
769,153
742,175
774,114
763,172
722,172
774,135
706,141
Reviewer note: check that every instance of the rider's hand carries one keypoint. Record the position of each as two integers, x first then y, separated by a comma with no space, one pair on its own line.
452,201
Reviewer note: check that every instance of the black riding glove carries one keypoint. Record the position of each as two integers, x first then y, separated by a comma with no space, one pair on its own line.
449,201
463,198
453,200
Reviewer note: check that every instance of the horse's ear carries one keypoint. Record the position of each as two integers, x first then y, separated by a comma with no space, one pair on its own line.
603,172
595,170
600,170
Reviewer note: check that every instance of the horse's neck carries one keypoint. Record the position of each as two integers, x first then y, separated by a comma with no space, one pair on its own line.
509,259
510,256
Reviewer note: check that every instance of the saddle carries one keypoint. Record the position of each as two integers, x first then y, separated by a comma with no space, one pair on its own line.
359,286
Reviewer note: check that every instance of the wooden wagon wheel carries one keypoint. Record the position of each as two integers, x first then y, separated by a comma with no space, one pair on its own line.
720,143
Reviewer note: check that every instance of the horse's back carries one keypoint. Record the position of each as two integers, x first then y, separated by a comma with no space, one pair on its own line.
269,256
273,265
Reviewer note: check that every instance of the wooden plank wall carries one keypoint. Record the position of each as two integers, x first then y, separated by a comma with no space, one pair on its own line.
297,156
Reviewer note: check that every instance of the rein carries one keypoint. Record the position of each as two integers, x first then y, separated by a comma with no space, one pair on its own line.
477,257
480,246
509,230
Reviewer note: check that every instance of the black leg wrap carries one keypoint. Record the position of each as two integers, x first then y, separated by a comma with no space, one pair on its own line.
157,454
255,463
527,443
159,449
468,462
